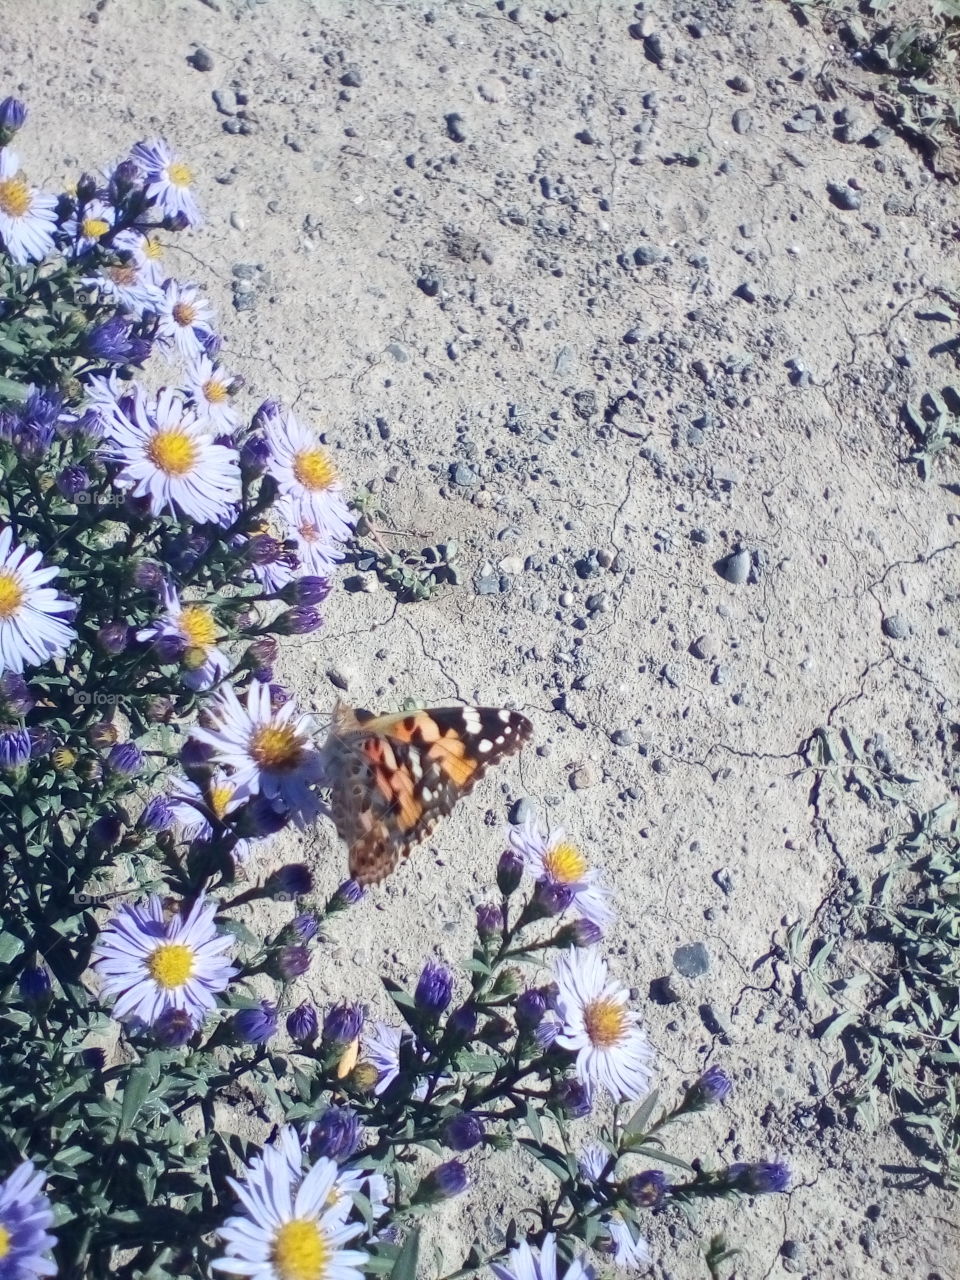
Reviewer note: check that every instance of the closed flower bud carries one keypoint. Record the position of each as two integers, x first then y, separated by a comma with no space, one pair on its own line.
105,832
13,114
645,1190
434,990
90,770
529,1010
15,696
550,898
256,1026
291,962
462,1132
160,709
114,342
443,1183
571,1098
579,933
713,1086
72,482
157,815
262,652
254,456
265,414
42,741
147,576
86,188
302,1023
112,638
262,549
306,591
343,1023
298,622
509,872
759,1179
348,895
14,746
508,982
335,1134
462,1023
125,177
489,921
102,735
304,927
174,1028
125,759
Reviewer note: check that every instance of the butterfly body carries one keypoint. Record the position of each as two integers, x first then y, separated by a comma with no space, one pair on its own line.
392,777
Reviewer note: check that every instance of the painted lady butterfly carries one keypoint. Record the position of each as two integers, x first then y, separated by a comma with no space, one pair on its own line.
393,777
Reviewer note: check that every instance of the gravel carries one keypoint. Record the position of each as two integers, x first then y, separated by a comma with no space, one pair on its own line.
692,960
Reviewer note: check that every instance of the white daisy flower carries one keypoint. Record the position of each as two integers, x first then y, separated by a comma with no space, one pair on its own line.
593,1160
30,632
193,809
317,551
304,471
359,1182
168,181
524,1264
194,626
269,752
153,964
184,319
165,454
613,1051
88,230
630,1252
289,1231
210,388
27,216
132,284
558,861
382,1045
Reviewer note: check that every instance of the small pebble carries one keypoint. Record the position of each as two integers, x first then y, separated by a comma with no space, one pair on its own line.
844,196
645,255
623,737
201,59
896,627
586,776
692,960
723,879
734,567
456,127
524,810
742,121
352,77
704,647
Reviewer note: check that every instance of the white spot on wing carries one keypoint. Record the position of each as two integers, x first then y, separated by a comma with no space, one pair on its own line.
484,745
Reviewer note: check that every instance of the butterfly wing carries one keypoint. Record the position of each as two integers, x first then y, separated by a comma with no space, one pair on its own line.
393,777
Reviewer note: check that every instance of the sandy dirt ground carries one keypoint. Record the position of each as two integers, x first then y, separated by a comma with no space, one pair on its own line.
607,311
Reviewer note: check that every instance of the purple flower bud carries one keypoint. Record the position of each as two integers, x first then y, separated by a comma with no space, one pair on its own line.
169,648
646,1190
279,696
305,927
579,933
256,821
254,456
157,815
102,734
194,754
266,413
572,1099
433,990
758,1179
15,696
547,1031
302,1023
713,1086
297,622
306,591
125,759
147,575
263,549
114,342
343,1023
489,920
292,961
34,985
174,1028
14,746
212,343
529,1010
256,1026
443,1183
112,638
462,1023
463,1132
13,114
335,1135
509,872
124,178
551,898
261,652
348,895
72,481
292,881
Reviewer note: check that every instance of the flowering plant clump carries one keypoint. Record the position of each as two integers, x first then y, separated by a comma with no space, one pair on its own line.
154,544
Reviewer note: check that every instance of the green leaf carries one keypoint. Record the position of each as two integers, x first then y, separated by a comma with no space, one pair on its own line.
638,1121
654,1153
135,1093
405,1267
533,1122
10,947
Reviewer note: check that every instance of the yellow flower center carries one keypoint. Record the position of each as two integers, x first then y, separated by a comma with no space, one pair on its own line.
276,747
300,1251
11,594
606,1022
125,277
198,627
179,174
171,964
64,758
565,863
94,228
14,197
173,451
220,796
313,469
152,249
184,313
5,1239
214,392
